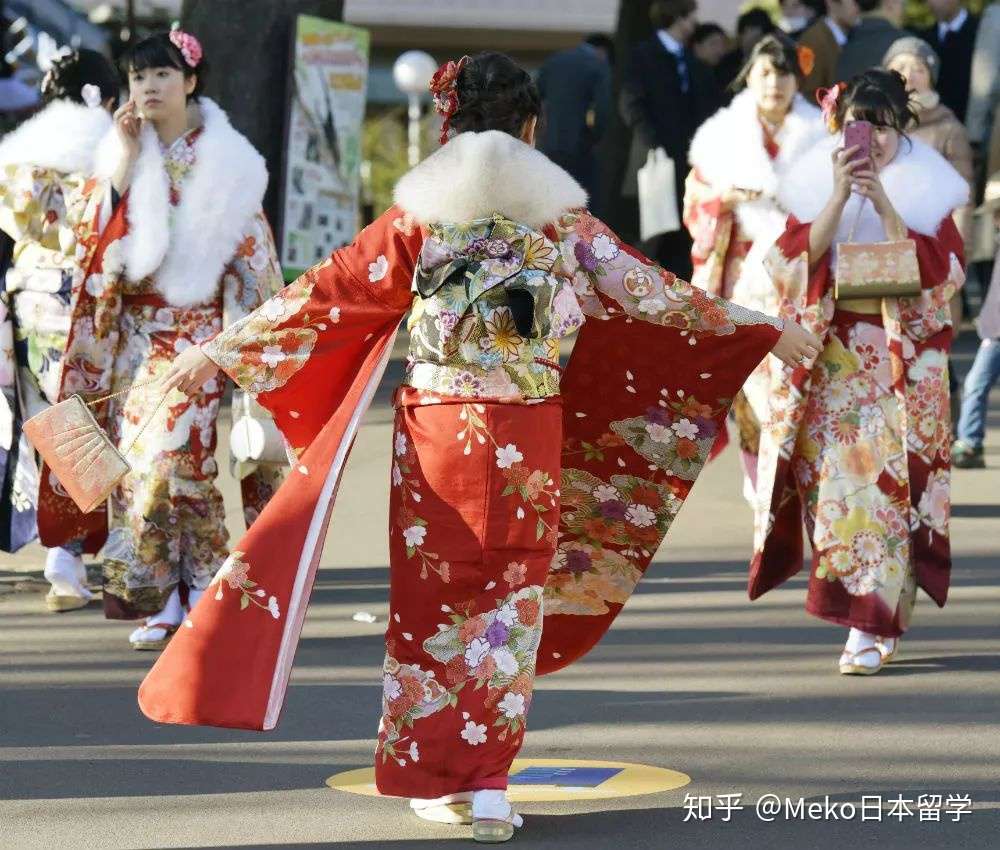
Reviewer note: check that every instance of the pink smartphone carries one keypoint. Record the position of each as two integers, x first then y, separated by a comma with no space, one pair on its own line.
858,133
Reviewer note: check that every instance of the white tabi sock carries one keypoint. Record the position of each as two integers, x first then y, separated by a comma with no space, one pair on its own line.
172,612
63,570
493,804
858,640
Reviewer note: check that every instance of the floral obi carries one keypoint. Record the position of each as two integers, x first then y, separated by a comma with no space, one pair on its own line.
489,312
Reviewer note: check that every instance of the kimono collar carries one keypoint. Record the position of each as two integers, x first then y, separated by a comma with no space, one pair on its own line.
189,249
63,137
476,175
728,149
921,184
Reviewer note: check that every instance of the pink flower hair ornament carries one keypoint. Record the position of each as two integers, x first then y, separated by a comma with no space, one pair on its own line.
827,100
187,44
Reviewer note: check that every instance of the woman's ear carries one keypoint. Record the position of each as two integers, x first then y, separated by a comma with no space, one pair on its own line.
528,130
190,84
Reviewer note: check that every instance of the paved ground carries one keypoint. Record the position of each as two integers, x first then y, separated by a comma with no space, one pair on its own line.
743,697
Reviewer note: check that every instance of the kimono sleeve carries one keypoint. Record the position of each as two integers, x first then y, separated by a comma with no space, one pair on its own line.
711,228
645,395
603,269
253,275
942,274
36,200
300,351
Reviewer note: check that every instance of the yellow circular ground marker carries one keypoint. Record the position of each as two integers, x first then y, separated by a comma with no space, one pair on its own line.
553,780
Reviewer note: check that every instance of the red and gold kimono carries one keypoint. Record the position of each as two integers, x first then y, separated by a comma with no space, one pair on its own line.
735,150
186,250
521,493
859,442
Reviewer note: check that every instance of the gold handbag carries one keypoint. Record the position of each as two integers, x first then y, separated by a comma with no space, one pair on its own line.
78,451
875,269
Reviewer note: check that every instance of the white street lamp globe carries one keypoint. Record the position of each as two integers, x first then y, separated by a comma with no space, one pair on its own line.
412,72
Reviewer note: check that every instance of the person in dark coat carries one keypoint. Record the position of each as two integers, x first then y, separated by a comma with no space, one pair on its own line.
953,38
666,95
575,85
868,42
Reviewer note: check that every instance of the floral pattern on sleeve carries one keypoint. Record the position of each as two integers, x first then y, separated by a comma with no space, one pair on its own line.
600,264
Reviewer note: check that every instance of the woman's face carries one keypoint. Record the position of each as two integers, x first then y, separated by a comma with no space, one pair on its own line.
160,93
914,71
772,89
885,142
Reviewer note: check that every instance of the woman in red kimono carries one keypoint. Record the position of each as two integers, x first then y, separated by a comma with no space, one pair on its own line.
178,246
859,439
513,481
731,202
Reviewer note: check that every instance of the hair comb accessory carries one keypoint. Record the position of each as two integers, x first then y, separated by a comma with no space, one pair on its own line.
807,59
91,95
444,88
827,100
187,44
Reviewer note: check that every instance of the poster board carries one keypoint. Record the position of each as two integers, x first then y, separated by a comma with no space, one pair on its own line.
322,171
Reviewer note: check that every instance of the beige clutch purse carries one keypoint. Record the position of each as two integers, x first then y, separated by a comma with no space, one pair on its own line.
78,451
876,269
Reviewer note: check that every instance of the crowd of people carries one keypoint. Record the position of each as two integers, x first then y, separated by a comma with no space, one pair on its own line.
825,189
690,71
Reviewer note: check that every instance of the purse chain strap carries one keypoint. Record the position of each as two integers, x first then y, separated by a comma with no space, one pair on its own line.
149,418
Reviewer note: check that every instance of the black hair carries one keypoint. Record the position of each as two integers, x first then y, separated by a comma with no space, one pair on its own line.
705,31
665,13
879,97
158,51
602,42
867,6
777,47
755,18
69,74
495,93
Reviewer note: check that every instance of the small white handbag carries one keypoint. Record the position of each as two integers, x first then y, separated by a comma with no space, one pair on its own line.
657,196
254,437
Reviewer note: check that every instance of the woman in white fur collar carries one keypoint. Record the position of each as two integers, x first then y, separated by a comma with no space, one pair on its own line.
185,247
44,164
861,439
739,157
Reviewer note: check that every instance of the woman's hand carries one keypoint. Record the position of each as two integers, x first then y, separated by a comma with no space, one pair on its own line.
796,345
867,184
128,126
734,196
189,371
844,169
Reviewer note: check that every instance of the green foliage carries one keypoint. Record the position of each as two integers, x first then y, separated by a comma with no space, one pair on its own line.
383,145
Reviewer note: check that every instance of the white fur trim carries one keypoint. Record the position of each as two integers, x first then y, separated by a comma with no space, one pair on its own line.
728,149
921,184
63,137
477,174
221,194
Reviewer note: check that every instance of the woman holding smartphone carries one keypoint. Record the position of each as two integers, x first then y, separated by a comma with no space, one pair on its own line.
175,212
859,438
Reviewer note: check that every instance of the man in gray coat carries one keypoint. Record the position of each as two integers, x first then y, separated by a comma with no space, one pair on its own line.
878,28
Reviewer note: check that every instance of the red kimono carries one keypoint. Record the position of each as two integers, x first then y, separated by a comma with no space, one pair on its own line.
507,501
858,443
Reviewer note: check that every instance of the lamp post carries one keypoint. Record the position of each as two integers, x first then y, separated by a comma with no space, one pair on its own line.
412,74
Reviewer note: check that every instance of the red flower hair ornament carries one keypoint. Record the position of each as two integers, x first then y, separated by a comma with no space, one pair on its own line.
444,88
187,44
